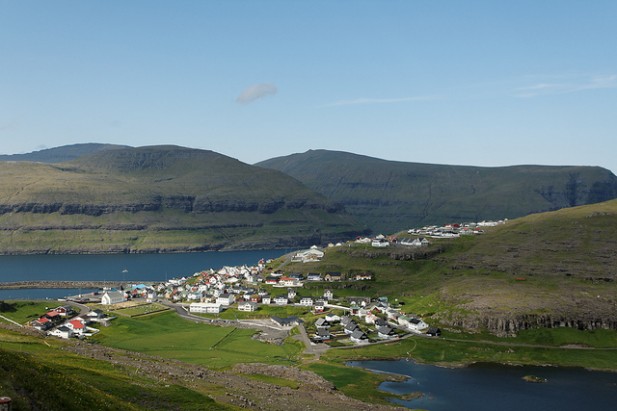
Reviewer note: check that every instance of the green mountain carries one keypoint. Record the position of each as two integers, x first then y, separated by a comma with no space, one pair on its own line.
160,198
547,270
60,154
388,196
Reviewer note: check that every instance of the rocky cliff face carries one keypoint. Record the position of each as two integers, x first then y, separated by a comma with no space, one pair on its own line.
510,325
187,204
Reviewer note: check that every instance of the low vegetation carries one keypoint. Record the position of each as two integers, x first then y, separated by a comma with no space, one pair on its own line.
169,336
37,374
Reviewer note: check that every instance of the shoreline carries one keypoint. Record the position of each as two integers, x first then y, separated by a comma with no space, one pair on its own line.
462,364
17,285
151,251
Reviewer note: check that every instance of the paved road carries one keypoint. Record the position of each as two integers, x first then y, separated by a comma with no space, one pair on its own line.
83,309
311,348
11,321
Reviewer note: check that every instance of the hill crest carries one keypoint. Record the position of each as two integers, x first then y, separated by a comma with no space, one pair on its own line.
389,195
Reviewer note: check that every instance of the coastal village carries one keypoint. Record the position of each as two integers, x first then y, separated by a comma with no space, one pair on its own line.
259,291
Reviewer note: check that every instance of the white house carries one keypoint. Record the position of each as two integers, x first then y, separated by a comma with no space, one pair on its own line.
370,318
306,301
416,242
112,297
77,325
247,306
320,306
332,318
385,332
358,337
313,277
209,308
380,243
288,282
226,299
313,254
417,325
328,295
281,300
266,299
62,332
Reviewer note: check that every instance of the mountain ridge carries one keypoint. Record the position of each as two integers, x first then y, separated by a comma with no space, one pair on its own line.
388,195
159,198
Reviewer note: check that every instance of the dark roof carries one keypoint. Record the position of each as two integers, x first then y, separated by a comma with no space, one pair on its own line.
323,332
351,326
321,322
358,335
384,330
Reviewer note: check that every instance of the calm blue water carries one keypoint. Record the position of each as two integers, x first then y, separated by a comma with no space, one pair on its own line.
120,267
41,293
495,387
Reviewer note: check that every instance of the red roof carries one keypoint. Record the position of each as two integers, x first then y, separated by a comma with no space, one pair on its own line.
43,320
77,324
52,314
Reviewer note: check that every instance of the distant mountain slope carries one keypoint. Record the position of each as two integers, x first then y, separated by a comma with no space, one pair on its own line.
161,198
389,196
60,154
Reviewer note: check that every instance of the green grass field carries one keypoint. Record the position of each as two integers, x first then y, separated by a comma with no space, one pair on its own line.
24,311
170,336
469,349
142,309
354,382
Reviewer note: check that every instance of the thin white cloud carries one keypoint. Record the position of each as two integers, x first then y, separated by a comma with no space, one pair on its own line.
568,85
371,100
255,92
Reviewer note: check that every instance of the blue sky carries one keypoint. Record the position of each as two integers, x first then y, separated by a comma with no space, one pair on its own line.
451,82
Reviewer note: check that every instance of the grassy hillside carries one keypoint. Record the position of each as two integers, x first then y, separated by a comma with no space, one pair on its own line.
546,270
42,375
388,196
162,198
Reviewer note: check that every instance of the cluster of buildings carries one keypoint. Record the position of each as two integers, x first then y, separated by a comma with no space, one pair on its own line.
455,230
365,321
249,288
250,299
64,322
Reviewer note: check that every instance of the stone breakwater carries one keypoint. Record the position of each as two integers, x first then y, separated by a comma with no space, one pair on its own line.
64,284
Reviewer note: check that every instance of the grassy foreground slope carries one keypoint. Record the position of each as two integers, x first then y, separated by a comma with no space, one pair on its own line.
162,198
389,195
42,374
169,364
555,269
